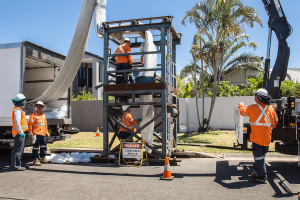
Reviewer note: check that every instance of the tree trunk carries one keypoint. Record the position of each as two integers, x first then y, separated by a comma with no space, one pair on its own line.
196,93
222,58
215,89
202,73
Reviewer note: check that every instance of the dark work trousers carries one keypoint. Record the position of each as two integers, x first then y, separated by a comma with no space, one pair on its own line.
259,153
122,78
17,153
124,135
41,141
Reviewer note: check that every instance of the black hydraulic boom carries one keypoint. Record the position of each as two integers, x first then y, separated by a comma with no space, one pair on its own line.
279,24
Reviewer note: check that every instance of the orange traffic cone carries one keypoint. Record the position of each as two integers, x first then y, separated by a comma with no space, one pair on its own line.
167,171
97,132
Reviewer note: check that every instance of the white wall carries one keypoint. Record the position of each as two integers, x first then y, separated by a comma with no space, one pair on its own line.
222,116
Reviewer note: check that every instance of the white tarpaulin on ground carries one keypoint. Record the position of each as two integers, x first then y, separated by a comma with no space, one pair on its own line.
150,61
72,63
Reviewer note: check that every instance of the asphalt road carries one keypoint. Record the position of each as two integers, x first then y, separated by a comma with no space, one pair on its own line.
195,178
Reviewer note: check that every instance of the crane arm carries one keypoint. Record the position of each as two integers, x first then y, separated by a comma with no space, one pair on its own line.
279,24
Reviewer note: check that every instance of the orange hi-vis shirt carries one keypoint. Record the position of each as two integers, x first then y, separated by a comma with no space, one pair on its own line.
123,48
37,124
24,125
263,119
128,121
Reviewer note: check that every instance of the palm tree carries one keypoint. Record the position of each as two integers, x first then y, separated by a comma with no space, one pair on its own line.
201,21
232,15
192,69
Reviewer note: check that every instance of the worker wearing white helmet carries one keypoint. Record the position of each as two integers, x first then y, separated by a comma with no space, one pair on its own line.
19,122
129,121
263,119
38,129
124,62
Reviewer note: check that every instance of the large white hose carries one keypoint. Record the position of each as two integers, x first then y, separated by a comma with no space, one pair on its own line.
72,63
150,61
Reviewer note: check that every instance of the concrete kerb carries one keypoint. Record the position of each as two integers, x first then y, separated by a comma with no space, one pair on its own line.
179,154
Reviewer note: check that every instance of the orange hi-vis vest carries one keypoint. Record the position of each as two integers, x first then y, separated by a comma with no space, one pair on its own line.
263,119
128,121
23,121
123,48
37,124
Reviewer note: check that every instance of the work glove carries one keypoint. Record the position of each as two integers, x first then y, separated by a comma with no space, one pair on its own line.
30,135
139,120
48,134
22,135
241,103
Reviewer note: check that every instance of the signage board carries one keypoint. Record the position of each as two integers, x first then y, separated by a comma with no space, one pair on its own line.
132,149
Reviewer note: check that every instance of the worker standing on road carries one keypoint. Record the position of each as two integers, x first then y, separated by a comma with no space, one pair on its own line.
128,120
19,122
263,119
38,129
124,63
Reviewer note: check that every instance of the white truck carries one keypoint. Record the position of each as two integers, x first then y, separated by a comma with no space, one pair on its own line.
31,69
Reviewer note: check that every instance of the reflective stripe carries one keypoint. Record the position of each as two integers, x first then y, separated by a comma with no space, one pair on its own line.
260,124
132,119
39,125
35,148
22,128
244,112
263,113
31,120
43,146
120,75
130,127
259,158
37,117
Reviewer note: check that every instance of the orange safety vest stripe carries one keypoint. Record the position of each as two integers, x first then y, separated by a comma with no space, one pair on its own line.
128,121
262,122
123,48
24,124
37,124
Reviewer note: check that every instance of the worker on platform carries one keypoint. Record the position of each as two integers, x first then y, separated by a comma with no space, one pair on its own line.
124,63
263,119
19,122
128,120
38,130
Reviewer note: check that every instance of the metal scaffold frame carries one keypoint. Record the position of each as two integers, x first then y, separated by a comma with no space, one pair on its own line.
164,90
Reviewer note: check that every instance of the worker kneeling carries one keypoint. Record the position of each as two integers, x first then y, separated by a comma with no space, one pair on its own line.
38,130
129,121
263,119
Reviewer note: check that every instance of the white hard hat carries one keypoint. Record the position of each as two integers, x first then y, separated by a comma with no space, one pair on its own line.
126,40
125,107
262,91
40,103
19,97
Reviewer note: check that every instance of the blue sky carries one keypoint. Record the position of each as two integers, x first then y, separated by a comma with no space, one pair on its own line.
51,24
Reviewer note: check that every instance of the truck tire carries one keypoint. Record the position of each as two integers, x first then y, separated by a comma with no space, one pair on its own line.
287,148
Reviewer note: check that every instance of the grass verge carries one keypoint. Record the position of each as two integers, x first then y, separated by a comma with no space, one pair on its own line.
218,138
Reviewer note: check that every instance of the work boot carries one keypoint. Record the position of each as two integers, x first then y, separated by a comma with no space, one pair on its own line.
254,175
37,162
260,181
19,169
44,160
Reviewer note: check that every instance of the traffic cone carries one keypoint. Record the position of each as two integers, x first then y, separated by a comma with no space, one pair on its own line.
97,132
167,171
